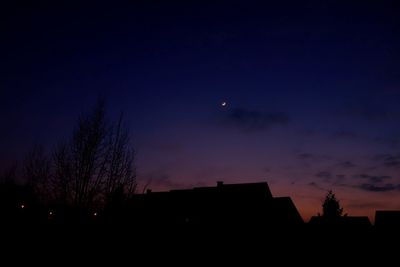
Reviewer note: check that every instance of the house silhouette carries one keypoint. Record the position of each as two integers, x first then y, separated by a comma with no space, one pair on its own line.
353,222
249,204
387,219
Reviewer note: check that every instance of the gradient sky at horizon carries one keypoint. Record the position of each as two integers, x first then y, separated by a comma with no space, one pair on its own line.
313,91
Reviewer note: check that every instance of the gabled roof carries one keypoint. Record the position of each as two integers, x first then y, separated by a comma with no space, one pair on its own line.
261,189
283,207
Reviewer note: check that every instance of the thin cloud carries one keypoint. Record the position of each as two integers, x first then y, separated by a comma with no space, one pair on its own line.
331,178
390,141
340,176
377,188
347,165
253,121
317,186
374,183
388,160
324,175
373,179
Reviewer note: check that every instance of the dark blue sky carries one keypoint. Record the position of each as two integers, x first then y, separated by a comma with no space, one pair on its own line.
312,90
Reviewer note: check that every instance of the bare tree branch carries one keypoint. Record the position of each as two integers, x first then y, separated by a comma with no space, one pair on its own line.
96,163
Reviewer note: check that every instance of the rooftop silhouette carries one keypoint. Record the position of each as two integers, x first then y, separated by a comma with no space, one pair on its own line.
345,221
225,204
387,219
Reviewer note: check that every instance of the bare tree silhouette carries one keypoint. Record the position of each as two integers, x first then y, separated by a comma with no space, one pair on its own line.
121,171
95,163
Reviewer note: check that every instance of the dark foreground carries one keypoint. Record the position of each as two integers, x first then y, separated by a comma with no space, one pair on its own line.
118,243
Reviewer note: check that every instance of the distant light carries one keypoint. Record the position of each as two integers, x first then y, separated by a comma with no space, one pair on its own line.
224,104
95,214
50,213
22,206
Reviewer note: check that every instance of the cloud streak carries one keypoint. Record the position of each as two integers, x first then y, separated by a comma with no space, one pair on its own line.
379,188
325,175
347,165
373,179
329,177
389,160
317,186
255,121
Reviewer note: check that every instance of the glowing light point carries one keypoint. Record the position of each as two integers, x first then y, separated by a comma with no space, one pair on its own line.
224,104
22,206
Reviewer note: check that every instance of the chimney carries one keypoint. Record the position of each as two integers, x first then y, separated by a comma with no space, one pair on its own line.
220,184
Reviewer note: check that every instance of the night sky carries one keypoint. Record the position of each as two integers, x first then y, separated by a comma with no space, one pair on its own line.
312,91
